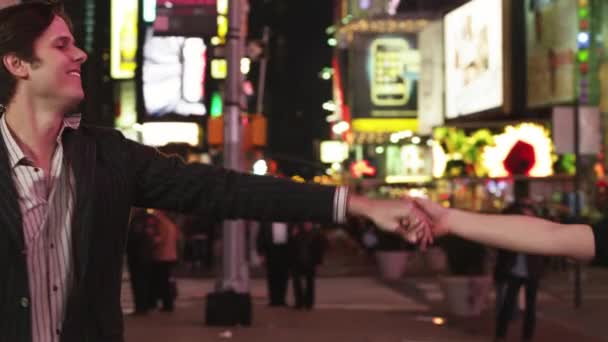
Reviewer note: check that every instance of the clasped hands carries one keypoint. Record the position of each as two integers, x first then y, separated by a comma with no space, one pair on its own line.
417,220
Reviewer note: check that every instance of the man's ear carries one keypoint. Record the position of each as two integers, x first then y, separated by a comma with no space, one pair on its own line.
15,65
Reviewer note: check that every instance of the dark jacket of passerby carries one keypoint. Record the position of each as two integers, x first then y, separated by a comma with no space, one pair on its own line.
506,260
306,247
272,245
140,257
140,244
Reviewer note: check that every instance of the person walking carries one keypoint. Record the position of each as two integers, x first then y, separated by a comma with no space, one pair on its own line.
139,250
307,246
165,257
515,270
272,245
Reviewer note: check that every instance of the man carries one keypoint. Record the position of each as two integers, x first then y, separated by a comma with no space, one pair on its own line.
512,271
67,189
140,258
272,245
307,246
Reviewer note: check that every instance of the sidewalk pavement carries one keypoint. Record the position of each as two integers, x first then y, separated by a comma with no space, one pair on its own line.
592,316
557,318
348,309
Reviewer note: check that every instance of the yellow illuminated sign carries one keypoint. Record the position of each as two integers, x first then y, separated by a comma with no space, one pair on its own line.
384,125
390,60
219,69
128,113
123,48
222,7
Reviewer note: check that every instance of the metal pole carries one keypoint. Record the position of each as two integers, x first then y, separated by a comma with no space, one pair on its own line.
262,76
235,275
577,204
577,201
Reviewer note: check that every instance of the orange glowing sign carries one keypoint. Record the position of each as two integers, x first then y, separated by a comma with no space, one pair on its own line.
362,168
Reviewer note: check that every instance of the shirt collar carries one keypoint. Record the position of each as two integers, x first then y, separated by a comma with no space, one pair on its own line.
15,154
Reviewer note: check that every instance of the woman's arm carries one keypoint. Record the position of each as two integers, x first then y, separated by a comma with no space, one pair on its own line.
513,232
524,234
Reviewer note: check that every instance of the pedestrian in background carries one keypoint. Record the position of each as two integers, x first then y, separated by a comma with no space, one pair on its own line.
514,270
307,246
165,257
272,246
140,258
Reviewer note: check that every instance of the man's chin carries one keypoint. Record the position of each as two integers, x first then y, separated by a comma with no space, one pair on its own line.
71,104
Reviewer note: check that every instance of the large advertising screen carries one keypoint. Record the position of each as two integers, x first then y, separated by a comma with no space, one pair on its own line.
474,62
551,29
385,70
190,18
173,75
430,90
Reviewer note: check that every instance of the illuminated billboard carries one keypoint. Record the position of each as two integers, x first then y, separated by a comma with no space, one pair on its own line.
408,163
474,61
173,75
333,151
551,29
123,41
188,18
430,89
385,70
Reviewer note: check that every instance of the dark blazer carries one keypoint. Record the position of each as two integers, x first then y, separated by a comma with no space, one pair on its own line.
306,249
112,174
264,240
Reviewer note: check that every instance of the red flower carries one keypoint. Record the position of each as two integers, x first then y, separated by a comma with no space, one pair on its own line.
521,159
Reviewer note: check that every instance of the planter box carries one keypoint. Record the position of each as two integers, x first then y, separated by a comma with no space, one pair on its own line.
436,260
466,296
392,264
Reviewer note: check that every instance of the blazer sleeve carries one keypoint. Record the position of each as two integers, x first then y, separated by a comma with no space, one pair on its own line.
600,236
167,182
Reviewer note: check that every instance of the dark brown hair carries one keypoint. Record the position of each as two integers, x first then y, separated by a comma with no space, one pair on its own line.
20,26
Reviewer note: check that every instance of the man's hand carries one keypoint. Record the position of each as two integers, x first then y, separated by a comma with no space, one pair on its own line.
437,215
402,217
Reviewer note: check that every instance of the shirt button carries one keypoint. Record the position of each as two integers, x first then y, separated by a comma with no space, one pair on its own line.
55,288
58,331
52,245
25,302
36,169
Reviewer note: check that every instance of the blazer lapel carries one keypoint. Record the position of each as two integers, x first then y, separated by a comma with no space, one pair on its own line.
10,213
81,156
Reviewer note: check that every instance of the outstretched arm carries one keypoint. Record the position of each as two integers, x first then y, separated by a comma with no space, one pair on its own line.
514,232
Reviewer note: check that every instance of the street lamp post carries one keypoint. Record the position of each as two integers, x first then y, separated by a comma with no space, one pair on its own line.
231,303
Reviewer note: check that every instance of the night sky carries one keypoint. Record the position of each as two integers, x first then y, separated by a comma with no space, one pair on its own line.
295,93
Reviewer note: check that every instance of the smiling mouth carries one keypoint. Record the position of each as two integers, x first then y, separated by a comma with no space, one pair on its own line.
74,73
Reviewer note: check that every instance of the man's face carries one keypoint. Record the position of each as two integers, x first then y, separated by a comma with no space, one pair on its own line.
55,73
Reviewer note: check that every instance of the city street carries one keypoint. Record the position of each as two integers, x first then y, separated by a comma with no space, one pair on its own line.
358,309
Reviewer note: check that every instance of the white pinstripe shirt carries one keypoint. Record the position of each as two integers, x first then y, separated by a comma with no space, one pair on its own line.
47,205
